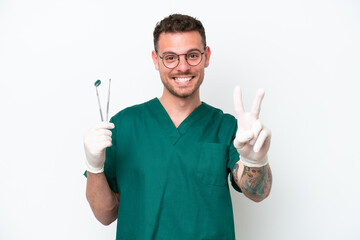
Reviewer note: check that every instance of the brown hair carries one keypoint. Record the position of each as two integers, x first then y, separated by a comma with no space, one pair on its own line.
178,23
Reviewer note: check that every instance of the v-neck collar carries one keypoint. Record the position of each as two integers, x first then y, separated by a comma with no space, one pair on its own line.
167,124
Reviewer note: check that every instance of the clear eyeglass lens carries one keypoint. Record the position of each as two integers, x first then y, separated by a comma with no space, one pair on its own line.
193,58
172,60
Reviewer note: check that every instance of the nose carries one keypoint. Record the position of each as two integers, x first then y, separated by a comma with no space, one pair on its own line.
183,64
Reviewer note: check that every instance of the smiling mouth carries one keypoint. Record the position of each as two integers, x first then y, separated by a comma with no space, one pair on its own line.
182,79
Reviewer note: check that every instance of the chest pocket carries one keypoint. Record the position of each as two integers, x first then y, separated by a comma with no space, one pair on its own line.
211,167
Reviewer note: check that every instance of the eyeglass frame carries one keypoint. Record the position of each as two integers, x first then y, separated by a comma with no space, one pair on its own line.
178,57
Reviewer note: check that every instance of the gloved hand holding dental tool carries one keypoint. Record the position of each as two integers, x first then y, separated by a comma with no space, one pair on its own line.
98,138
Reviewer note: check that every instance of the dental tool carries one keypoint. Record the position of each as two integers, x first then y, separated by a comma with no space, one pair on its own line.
107,107
97,83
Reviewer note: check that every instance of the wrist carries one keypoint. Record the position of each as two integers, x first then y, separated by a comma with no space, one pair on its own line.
92,169
254,163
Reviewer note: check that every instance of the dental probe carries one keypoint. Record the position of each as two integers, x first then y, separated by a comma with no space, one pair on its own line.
107,108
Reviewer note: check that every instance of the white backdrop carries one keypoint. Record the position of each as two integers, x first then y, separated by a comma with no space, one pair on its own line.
304,53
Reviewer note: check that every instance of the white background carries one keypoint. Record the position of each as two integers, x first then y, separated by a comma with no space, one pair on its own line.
304,53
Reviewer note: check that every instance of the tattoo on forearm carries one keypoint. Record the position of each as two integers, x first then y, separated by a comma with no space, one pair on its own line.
256,181
235,171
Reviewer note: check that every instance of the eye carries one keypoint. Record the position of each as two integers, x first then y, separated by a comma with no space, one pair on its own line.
193,55
170,57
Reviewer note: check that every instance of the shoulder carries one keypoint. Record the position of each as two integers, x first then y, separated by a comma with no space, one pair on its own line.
225,123
132,112
218,113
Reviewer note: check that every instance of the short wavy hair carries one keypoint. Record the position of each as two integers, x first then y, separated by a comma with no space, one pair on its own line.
178,23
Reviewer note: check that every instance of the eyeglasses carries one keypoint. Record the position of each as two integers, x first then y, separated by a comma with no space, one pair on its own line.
171,60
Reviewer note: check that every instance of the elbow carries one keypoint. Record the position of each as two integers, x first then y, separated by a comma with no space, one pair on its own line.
258,199
105,217
105,221
105,214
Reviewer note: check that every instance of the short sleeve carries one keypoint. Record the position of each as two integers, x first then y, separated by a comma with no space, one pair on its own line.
233,159
110,159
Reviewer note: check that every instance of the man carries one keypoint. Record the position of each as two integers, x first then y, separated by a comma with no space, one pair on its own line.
160,168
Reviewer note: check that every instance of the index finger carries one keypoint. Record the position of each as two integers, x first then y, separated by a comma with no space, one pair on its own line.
104,125
239,107
257,102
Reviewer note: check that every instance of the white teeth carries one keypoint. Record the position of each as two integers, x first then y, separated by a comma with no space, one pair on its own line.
183,79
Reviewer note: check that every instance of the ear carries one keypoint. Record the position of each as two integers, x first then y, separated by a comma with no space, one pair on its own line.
155,60
207,56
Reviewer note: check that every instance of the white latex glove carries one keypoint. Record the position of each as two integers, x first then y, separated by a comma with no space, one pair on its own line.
96,140
252,139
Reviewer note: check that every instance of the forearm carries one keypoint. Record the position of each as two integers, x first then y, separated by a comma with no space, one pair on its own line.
103,201
254,182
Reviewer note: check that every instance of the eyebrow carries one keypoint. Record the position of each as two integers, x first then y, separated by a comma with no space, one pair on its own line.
190,50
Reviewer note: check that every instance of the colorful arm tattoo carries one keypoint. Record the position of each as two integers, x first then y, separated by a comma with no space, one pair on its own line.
235,171
254,182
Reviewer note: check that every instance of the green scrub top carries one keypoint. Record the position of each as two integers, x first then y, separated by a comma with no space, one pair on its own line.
172,181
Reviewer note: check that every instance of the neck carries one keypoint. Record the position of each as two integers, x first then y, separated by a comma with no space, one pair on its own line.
179,108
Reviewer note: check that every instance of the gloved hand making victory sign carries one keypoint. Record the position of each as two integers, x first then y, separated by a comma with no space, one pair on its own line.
252,139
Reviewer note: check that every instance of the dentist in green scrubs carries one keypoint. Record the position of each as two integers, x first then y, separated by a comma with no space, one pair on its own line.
161,168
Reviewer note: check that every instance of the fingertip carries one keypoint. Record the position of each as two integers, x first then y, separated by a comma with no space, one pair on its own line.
261,92
109,125
269,132
108,143
239,108
258,145
237,144
244,136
